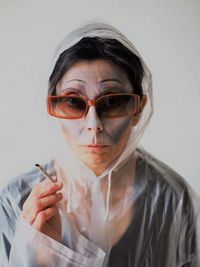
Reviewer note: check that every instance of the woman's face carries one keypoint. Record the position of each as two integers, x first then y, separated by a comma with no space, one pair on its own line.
95,141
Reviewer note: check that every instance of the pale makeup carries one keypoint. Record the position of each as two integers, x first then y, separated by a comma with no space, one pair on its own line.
96,141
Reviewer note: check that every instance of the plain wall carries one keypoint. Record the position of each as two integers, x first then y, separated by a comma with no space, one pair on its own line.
167,34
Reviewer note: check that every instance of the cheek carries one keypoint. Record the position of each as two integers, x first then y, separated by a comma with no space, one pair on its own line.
118,128
72,128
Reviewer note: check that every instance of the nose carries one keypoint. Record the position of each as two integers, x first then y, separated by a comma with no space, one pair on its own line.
93,122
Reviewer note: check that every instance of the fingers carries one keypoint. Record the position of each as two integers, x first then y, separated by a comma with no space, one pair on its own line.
44,216
41,190
40,209
43,196
35,206
45,188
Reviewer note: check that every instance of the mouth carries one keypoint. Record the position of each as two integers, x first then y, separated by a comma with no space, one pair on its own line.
95,147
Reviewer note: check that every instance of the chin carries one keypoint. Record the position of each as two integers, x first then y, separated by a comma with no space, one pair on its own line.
96,161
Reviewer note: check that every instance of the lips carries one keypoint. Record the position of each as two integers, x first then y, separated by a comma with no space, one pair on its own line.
94,147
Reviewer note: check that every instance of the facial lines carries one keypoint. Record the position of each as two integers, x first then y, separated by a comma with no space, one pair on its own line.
92,90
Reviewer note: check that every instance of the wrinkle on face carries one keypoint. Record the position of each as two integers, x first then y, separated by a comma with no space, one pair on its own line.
93,78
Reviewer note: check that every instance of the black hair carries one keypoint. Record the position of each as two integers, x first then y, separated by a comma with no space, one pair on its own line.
93,48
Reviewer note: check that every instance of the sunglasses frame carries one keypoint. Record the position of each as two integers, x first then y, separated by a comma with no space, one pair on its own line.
92,102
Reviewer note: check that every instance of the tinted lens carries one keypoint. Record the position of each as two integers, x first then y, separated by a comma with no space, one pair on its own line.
68,106
116,106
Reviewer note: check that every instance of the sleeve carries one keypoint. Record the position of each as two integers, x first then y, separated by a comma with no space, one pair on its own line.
188,250
7,229
21,245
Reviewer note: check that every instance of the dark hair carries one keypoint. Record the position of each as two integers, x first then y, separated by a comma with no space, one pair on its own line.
92,48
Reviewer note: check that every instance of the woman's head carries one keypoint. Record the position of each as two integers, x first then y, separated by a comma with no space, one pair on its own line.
90,68
93,48
95,139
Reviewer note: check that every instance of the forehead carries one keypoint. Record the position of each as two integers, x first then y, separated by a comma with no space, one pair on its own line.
94,75
96,68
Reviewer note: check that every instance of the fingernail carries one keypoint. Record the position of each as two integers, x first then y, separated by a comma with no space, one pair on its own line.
54,178
59,183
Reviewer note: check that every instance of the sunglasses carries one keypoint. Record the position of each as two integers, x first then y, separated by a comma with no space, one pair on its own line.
108,106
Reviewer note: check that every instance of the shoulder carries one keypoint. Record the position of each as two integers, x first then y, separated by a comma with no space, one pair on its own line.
165,187
171,209
160,174
177,203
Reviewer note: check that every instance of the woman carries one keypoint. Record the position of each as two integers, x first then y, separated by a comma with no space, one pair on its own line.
110,204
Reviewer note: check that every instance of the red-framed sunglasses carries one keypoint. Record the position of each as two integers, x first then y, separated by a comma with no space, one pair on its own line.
108,106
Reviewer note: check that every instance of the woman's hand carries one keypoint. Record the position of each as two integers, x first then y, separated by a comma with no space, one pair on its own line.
40,209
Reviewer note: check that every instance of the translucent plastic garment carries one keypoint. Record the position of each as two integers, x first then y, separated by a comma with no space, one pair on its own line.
87,193
163,228
138,212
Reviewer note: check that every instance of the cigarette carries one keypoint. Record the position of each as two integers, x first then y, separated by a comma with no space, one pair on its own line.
44,172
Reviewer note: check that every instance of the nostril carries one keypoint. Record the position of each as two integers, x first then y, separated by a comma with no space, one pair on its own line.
93,122
98,129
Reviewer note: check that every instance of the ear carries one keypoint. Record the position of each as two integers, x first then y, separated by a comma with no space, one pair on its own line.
136,117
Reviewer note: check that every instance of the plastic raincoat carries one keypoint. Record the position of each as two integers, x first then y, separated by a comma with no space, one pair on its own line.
161,210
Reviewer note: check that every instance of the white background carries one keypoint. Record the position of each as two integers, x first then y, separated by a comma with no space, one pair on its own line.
167,34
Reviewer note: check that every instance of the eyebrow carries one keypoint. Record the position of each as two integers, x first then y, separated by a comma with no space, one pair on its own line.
110,80
103,81
76,80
